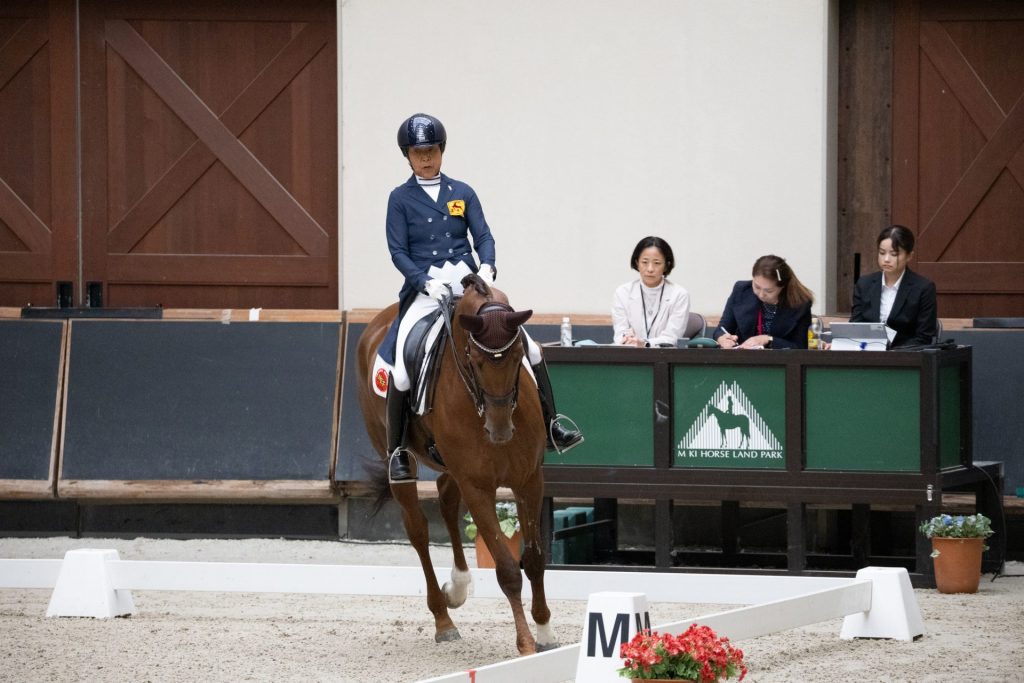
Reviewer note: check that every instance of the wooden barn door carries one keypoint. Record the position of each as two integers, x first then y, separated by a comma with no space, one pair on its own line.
38,153
958,139
209,153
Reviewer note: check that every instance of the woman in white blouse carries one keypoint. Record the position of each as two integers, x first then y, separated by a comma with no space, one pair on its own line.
650,311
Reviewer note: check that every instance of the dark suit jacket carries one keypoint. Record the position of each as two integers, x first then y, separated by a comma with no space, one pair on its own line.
913,312
789,330
423,233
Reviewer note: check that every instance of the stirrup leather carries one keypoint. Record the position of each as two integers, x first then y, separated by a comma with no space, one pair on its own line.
551,433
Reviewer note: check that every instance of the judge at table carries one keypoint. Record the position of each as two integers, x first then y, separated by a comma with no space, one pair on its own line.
901,298
772,310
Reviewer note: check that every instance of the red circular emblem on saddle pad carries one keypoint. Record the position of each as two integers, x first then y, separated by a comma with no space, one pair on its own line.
381,379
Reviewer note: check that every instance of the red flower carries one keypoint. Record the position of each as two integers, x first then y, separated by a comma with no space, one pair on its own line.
696,654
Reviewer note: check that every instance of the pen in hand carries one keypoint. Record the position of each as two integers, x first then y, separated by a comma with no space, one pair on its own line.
727,335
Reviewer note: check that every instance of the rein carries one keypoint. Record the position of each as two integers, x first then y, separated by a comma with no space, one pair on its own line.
468,375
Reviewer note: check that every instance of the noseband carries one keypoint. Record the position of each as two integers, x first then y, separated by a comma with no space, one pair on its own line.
468,374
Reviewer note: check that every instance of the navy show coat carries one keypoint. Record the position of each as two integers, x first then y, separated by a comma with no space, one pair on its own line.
422,232
789,329
913,313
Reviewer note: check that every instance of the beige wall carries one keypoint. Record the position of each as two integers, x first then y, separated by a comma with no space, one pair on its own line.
584,125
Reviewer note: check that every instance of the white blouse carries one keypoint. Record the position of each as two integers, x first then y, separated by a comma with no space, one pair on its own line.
667,312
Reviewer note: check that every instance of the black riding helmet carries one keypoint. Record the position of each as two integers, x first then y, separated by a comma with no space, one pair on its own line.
421,130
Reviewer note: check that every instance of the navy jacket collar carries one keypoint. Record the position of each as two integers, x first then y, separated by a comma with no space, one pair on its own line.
421,196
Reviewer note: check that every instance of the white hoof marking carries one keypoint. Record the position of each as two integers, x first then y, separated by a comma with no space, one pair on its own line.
546,635
459,588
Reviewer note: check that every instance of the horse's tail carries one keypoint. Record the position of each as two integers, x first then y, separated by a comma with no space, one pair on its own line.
380,488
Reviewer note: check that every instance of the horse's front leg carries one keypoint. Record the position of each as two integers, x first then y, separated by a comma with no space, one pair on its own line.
506,568
529,501
416,529
458,589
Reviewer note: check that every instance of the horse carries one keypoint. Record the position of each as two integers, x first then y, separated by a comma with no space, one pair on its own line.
728,421
488,434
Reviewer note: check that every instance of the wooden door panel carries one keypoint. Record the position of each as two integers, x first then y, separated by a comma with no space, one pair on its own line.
211,154
959,143
38,240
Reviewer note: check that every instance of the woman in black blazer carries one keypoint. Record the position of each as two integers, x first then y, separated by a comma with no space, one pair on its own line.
771,310
909,302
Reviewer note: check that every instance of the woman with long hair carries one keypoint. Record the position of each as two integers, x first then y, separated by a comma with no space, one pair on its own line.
772,310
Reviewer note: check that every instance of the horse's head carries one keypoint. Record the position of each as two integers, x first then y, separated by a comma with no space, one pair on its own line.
494,348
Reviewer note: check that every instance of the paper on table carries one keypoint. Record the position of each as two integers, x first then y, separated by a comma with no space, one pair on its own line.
847,344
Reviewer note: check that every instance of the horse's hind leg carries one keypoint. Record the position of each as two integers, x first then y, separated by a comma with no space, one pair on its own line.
416,529
457,590
529,502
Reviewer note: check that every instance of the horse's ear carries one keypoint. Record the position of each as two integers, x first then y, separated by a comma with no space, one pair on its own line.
472,323
519,317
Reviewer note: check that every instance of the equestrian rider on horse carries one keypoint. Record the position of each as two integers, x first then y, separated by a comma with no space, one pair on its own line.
429,222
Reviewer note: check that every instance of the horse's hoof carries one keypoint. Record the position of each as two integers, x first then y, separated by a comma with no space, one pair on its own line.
447,636
547,646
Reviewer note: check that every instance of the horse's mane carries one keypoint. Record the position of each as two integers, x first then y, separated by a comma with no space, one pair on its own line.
478,292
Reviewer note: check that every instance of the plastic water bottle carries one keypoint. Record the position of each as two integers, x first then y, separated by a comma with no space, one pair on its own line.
566,332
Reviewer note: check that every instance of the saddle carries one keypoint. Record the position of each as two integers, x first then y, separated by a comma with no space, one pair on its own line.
423,348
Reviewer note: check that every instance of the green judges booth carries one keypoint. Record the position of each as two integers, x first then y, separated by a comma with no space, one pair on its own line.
787,430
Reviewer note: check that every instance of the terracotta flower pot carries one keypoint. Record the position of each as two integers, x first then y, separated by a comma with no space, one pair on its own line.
958,566
483,555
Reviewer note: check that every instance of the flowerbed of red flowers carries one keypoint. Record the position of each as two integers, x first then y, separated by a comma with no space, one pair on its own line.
698,654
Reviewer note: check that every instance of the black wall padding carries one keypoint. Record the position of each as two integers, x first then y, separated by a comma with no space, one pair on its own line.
200,400
29,368
998,368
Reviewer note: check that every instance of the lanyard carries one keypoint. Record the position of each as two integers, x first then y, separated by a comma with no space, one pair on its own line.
643,306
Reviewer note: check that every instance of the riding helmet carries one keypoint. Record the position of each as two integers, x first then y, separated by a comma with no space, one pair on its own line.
421,130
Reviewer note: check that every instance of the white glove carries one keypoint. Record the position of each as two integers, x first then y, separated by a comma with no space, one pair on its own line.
486,273
436,289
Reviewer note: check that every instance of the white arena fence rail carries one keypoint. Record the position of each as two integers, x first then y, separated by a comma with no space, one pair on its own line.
878,603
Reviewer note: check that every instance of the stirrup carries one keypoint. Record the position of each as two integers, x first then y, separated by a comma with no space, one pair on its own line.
410,478
551,433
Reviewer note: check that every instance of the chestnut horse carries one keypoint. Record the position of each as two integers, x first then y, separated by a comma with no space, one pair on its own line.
487,427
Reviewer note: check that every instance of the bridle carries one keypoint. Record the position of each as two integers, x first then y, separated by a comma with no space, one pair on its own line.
468,374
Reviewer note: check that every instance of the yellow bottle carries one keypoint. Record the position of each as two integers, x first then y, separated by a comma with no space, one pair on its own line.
814,334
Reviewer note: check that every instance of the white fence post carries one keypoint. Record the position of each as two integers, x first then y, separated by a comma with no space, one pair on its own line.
84,587
893,612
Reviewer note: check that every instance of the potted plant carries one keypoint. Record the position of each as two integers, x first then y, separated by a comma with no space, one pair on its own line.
957,545
508,520
698,654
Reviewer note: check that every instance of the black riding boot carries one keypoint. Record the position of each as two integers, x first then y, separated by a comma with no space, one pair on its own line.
560,439
399,470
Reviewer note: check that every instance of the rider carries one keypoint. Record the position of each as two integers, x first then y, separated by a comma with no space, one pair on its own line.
430,219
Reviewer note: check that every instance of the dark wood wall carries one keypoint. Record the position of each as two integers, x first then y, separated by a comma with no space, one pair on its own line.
38,162
931,136
958,142
864,127
205,172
